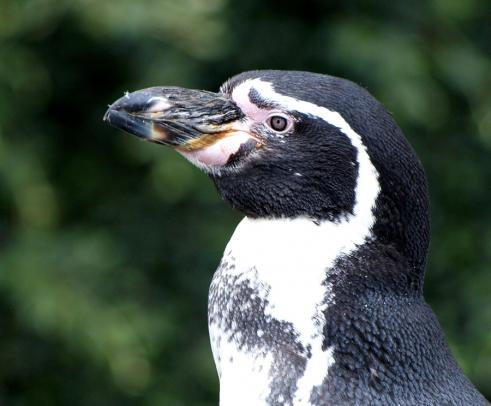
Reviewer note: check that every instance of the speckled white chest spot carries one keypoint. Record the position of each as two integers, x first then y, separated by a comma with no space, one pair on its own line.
244,370
245,378
291,259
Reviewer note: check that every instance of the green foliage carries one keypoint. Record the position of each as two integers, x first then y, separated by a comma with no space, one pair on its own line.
108,244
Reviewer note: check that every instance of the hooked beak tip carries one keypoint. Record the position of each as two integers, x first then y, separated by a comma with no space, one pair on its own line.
107,115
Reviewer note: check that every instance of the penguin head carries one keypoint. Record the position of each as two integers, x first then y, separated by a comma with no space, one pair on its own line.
302,165
281,144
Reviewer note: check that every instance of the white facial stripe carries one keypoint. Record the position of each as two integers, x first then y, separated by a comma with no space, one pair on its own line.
293,256
240,95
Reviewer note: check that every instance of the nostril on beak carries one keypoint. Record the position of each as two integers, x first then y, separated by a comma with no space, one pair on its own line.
157,104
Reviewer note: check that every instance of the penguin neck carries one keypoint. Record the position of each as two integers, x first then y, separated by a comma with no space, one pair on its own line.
302,252
300,243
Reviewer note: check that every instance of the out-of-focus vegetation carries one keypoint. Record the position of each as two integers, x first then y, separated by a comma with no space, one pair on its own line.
107,244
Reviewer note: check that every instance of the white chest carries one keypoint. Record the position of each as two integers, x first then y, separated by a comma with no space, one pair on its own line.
267,306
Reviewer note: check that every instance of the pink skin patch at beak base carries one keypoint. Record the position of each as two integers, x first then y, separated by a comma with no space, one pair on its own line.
218,153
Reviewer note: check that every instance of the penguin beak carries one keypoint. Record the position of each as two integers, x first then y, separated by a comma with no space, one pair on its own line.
205,127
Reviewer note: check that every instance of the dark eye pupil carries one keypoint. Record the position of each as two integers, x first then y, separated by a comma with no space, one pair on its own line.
278,123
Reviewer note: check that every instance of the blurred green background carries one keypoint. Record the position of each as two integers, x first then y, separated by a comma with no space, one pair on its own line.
108,244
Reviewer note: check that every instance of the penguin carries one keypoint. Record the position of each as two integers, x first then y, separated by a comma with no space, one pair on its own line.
318,299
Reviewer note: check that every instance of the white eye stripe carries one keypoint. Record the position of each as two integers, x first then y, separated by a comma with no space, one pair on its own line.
240,95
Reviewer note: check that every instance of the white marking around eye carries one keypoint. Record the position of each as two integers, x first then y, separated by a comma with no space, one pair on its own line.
293,256
240,95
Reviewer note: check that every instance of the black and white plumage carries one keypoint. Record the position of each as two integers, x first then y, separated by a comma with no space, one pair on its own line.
318,298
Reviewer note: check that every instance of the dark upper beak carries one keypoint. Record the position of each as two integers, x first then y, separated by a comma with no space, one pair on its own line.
182,118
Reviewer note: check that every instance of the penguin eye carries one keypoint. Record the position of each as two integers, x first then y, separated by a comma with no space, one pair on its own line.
278,123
